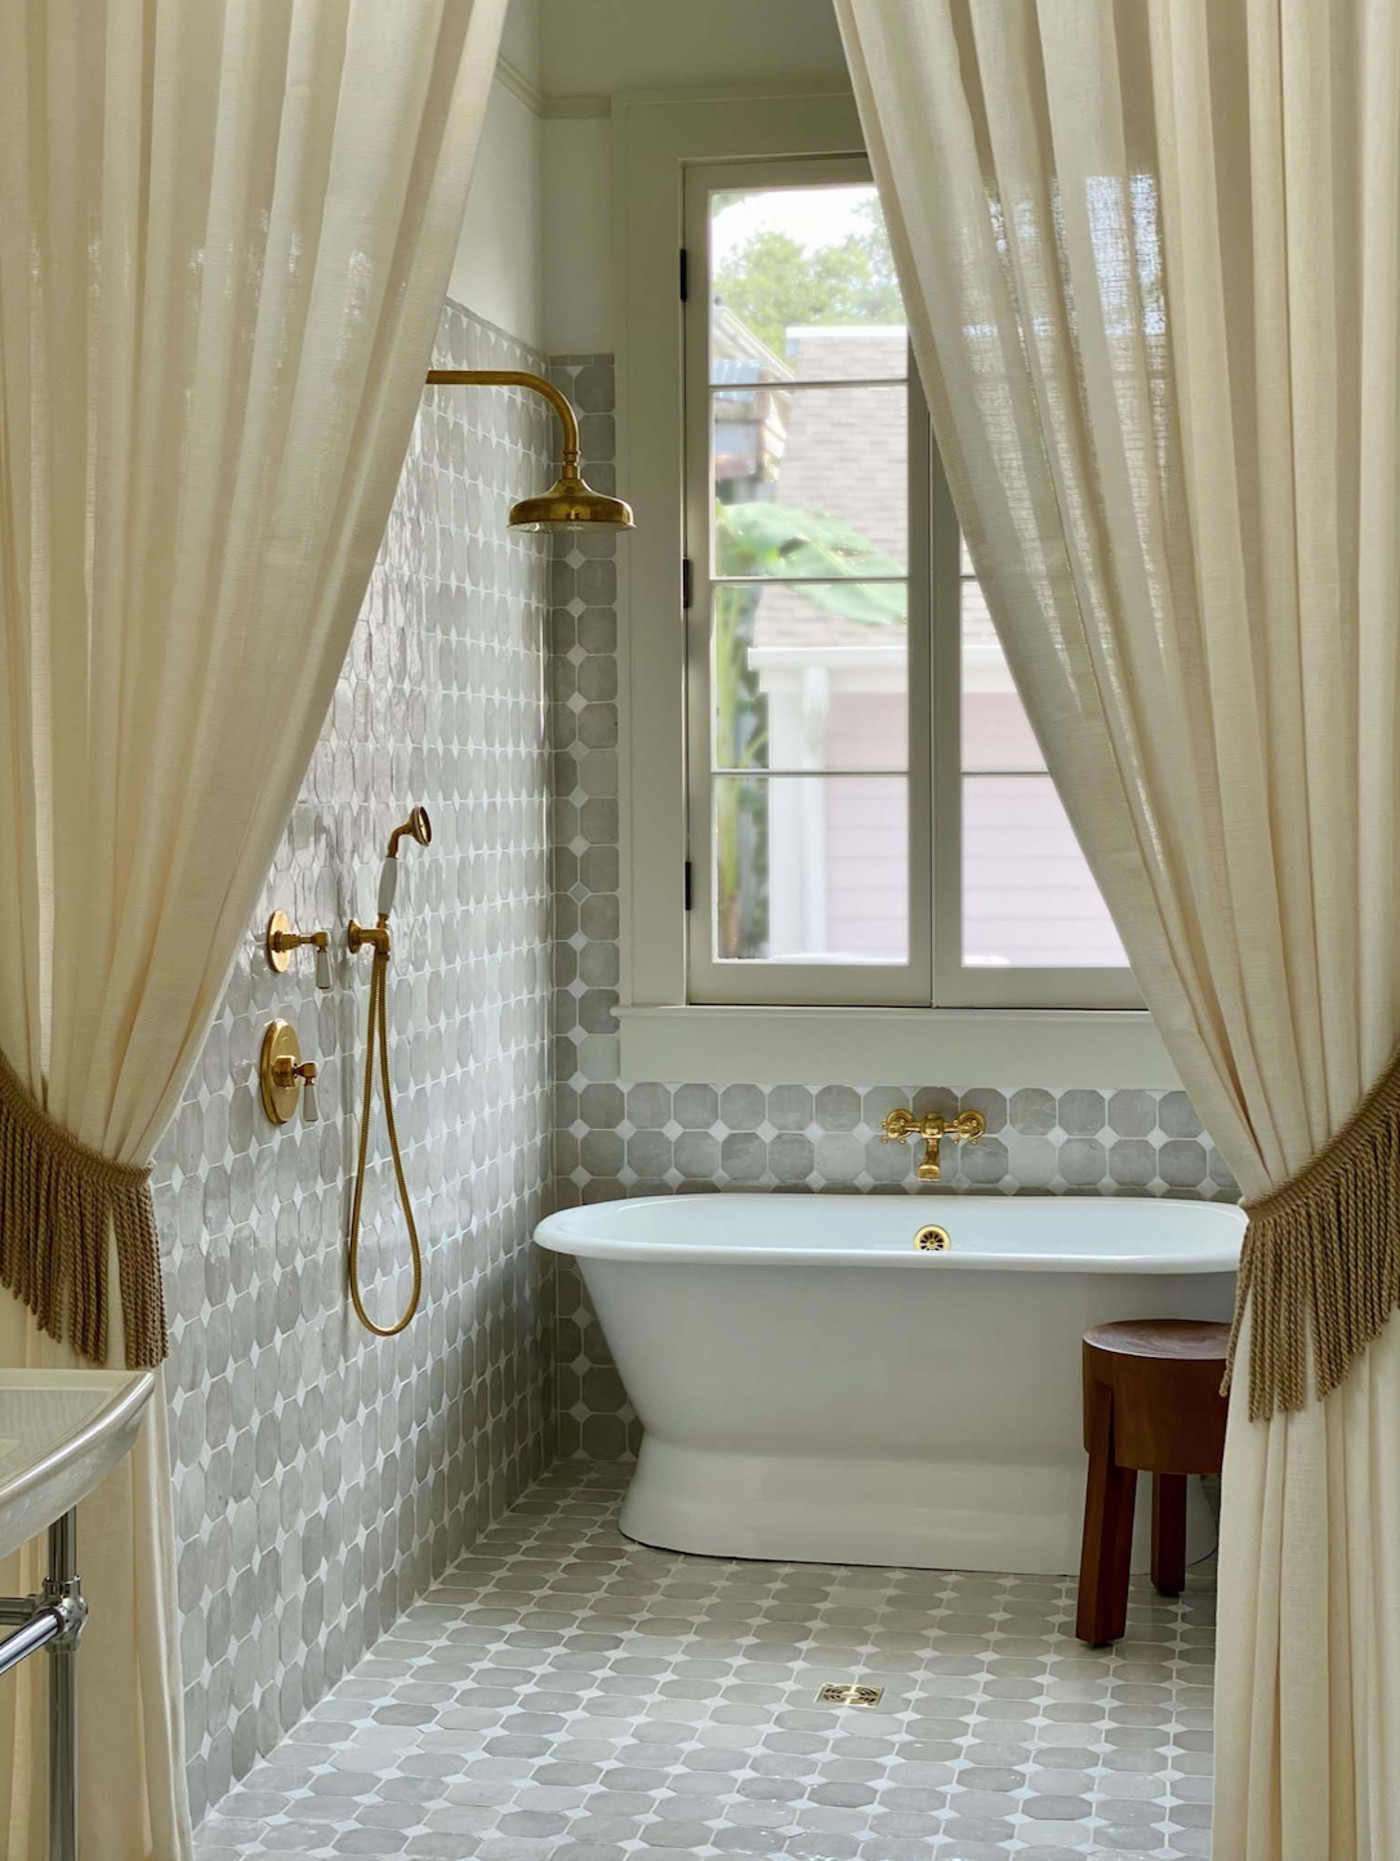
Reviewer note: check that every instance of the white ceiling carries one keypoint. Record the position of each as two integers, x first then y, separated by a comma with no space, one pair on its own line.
595,47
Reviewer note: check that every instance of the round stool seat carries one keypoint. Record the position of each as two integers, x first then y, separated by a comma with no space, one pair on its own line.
1195,1340
1152,1404
1165,1374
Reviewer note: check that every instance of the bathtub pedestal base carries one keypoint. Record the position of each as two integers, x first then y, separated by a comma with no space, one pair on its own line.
916,1514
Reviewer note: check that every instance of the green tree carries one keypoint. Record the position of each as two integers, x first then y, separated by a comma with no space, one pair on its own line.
772,282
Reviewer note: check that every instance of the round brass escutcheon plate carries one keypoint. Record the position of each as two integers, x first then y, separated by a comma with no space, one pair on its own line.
279,1042
280,960
932,1239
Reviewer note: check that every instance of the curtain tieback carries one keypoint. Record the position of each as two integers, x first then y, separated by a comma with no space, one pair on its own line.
59,1202
1321,1258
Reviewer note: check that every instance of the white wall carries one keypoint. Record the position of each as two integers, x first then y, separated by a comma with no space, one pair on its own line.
498,272
578,232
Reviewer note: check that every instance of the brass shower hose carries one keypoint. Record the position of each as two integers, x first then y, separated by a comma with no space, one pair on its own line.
377,1036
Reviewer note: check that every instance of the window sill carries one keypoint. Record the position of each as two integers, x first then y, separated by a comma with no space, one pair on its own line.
957,1047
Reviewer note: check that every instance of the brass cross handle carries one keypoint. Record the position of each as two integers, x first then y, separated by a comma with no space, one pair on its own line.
901,1124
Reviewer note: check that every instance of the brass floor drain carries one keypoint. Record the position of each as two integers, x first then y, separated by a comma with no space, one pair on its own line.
849,1693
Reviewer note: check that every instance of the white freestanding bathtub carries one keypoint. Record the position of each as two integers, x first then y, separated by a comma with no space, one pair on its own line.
812,1388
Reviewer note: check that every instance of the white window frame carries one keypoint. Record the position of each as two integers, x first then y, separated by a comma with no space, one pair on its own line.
1085,1022
773,983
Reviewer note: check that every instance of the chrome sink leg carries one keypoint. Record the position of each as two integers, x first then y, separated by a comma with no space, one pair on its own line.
62,1593
54,1620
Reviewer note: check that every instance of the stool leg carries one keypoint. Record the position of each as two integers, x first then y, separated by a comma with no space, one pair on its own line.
1169,1532
1108,1531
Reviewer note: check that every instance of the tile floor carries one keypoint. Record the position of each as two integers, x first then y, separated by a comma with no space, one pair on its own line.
565,1693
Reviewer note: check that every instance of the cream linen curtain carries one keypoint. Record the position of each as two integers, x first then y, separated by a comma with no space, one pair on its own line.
225,235
1152,252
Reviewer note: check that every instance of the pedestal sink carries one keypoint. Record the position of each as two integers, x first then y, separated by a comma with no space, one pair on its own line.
61,1432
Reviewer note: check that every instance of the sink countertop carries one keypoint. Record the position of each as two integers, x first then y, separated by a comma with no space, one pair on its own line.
61,1433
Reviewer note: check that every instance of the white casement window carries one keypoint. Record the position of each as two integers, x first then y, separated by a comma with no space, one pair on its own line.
828,749
832,797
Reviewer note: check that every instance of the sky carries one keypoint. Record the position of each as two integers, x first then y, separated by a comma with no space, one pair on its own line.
815,216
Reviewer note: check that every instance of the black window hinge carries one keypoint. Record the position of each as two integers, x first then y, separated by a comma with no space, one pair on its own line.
687,584
687,885
685,275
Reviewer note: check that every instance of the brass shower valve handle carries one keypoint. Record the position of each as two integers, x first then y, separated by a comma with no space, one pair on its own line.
285,1074
281,940
901,1124
285,1077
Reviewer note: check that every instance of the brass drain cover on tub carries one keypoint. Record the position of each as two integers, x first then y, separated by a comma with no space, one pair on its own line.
849,1693
932,1239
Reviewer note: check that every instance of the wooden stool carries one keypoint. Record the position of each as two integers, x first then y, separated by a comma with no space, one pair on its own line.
1152,1404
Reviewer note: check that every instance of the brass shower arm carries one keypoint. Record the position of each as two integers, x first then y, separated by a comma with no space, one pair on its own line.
569,503
515,378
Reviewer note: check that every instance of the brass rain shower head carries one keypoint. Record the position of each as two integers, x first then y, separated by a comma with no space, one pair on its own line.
570,503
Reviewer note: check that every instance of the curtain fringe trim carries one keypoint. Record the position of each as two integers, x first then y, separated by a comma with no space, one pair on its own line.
59,1200
1321,1259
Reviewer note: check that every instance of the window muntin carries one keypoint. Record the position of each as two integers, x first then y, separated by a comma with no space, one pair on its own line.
812,527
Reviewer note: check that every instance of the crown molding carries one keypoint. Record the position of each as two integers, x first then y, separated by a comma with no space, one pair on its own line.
513,79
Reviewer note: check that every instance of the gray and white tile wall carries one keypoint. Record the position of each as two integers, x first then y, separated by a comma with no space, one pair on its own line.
323,1478
618,1138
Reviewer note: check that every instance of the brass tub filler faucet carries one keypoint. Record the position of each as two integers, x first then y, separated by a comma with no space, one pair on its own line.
901,1124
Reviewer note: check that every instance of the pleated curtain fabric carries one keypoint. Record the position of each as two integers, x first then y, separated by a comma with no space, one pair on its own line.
1151,251
226,230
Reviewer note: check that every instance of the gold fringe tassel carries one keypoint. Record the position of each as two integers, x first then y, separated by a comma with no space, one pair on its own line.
59,1200
1321,1258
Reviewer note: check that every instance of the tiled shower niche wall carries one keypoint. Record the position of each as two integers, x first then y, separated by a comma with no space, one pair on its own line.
620,1138
322,1477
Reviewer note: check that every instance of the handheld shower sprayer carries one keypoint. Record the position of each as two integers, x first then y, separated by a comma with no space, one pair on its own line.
417,827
